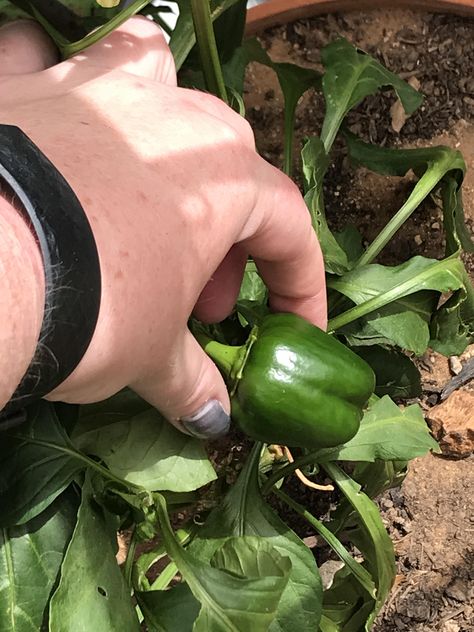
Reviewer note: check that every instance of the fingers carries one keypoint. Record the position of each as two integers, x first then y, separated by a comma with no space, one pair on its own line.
25,48
285,248
218,298
137,47
189,391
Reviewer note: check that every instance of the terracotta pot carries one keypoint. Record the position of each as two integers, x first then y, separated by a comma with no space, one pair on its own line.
274,12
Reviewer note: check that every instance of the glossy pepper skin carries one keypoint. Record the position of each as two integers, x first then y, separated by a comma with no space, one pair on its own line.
299,386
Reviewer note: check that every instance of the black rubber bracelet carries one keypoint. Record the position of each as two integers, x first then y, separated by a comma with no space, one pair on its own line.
70,259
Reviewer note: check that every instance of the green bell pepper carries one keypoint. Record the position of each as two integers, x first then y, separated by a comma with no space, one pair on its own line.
293,384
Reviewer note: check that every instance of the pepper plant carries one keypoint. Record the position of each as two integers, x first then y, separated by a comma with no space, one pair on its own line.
206,553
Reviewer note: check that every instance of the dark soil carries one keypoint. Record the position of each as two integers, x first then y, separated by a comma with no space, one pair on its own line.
431,517
412,44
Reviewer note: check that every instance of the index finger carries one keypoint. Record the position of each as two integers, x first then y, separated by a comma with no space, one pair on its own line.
280,238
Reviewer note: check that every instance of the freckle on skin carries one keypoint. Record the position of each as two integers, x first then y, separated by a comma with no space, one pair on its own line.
142,197
124,253
118,274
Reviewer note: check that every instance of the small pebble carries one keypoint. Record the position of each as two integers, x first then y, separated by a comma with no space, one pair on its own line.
418,240
435,226
455,365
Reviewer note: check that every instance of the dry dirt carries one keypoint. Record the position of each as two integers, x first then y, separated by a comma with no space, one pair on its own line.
431,518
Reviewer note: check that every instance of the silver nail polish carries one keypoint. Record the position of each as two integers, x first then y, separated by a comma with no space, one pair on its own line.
209,422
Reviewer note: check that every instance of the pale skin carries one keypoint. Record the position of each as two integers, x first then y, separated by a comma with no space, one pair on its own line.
177,198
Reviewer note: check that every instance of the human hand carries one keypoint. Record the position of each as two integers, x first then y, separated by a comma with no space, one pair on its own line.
177,198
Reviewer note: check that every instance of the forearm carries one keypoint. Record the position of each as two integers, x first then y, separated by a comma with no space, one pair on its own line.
22,298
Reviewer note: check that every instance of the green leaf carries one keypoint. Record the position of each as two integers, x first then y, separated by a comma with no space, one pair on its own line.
230,602
345,603
229,30
350,240
356,569
379,476
384,297
327,625
69,48
452,326
141,447
391,161
169,610
387,433
457,234
370,538
315,164
253,288
30,559
430,164
92,588
294,82
183,38
252,300
243,512
37,462
252,602
350,76
395,373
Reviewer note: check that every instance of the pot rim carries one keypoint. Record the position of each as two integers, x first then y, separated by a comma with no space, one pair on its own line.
277,12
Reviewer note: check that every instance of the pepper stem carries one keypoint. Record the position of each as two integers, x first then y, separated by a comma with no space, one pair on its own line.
230,359
225,356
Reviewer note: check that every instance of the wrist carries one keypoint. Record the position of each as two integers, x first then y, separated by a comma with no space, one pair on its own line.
23,297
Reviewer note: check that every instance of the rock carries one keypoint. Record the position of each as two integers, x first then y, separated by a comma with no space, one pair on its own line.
328,570
455,365
452,423
450,626
418,240
457,590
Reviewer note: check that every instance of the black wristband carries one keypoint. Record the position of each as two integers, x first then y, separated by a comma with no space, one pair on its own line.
70,259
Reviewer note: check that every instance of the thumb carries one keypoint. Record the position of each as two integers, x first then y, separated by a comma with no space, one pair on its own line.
138,47
25,48
189,391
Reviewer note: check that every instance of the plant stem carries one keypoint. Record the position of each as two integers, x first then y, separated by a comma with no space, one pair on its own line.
186,565
225,356
393,294
165,577
422,189
230,359
68,49
75,454
288,139
359,572
128,566
206,41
